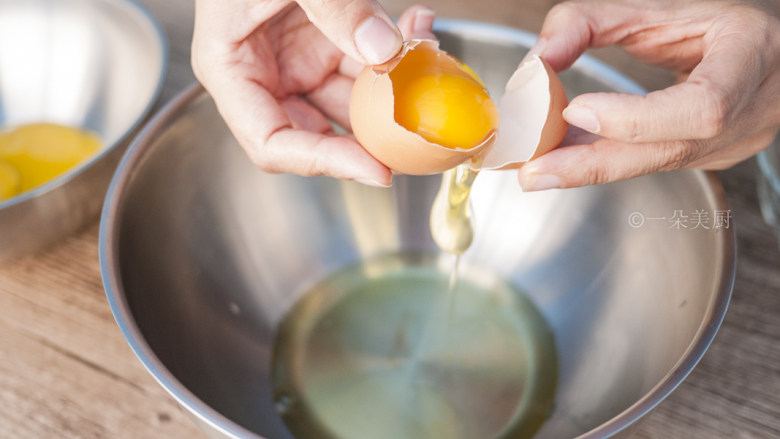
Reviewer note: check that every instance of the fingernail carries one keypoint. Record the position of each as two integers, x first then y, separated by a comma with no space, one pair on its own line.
542,182
538,49
423,20
371,182
376,41
582,117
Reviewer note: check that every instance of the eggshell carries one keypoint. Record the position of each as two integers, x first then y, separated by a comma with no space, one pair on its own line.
531,119
373,120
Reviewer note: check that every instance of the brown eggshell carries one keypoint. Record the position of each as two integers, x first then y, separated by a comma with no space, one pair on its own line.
556,127
372,117
531,113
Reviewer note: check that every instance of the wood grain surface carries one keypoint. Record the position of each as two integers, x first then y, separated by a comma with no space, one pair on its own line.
66,371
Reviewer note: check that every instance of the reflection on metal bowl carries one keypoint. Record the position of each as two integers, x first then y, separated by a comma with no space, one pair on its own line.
203,255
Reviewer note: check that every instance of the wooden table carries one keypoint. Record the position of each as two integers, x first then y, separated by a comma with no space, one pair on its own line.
66,371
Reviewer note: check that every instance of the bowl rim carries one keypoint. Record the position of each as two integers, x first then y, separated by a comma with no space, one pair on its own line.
143,13
202,412
770,173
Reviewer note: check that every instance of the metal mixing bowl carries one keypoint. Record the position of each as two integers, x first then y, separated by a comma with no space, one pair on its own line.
202,254
768,182
94,64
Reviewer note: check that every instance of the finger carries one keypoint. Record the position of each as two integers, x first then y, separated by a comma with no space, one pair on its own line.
417,23
309,154
263,128
332,98
360,28
349,67
304,116
730,155
701,107
606,161
652,32
571,27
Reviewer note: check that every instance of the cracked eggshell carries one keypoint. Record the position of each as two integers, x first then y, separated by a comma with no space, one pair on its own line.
531,117
372,115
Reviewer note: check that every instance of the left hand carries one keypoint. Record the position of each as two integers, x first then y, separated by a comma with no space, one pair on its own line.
725,108
280,71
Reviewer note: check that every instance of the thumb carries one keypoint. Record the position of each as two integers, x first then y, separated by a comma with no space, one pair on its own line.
360,28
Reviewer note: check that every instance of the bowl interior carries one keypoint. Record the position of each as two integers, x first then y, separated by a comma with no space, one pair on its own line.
203,255
94,64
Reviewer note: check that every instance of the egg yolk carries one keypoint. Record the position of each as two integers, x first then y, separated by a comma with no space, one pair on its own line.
9,181
33,154
448,110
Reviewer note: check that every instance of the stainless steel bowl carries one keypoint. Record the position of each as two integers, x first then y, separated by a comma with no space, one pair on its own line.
95,64
202,254
768,183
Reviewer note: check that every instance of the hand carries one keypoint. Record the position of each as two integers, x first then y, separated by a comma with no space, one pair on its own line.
724,109
279,71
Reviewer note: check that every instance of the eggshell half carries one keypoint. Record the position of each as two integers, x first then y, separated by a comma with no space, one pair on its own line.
531,119
372,117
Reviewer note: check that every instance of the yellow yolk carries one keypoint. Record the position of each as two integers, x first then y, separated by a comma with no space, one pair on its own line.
9,181
448,110
472,73
40,152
